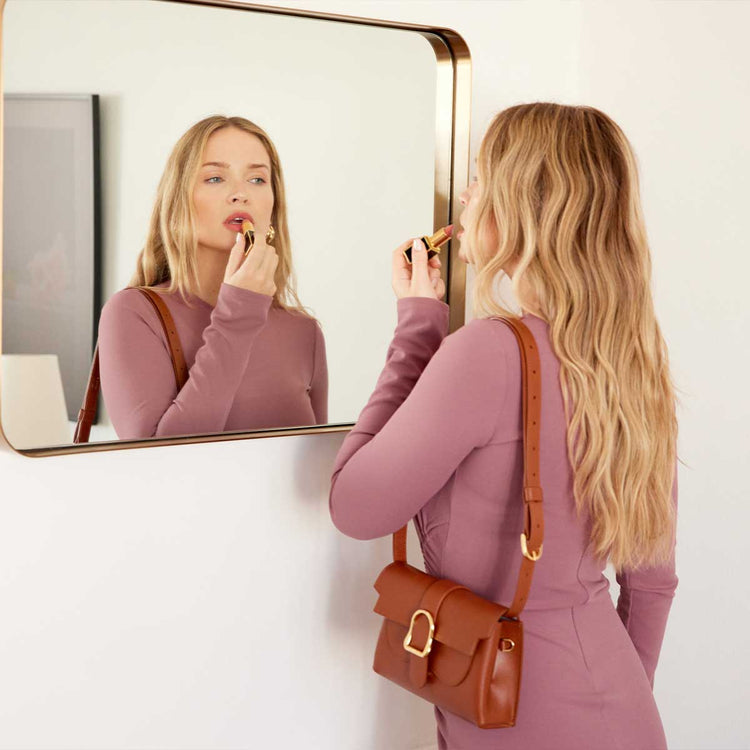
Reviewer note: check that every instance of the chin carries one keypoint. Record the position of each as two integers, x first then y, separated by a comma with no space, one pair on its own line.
462,252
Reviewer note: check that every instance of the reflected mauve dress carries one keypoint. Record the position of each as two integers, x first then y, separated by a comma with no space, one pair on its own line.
440,441
251,366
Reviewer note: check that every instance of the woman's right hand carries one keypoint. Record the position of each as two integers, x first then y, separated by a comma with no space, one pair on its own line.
256,272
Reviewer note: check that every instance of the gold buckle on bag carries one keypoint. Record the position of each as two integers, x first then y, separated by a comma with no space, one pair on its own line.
533,556
428,646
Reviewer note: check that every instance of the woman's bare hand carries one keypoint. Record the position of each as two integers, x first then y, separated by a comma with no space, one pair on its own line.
256,272
421,278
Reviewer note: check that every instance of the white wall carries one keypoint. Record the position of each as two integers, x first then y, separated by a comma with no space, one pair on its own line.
134,608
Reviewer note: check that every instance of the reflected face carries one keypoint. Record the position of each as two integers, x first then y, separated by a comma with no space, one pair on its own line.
234,180
469,199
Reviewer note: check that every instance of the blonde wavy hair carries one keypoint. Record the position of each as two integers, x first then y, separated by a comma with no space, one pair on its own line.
559,186
169,253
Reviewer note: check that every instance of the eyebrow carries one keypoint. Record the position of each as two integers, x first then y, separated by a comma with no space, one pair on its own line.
226,166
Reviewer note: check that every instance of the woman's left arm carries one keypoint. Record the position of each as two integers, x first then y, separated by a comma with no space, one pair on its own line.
437,398
645,600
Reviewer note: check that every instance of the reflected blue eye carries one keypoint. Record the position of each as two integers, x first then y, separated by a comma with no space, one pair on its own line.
216,177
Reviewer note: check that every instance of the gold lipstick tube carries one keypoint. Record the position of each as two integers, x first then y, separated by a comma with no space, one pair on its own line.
432,243
248,230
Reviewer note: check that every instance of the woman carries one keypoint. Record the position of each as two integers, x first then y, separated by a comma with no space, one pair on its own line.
556,206
256,359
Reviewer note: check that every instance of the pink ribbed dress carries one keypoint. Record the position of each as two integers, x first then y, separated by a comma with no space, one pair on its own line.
251,366
440,441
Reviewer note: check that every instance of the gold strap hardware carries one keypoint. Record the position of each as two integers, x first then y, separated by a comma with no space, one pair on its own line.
533,556
507,644
428,646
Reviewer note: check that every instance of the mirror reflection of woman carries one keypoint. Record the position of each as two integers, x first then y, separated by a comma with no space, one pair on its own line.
556,207
256,357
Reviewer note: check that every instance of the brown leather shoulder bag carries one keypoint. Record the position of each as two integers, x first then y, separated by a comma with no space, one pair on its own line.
88,410
442,641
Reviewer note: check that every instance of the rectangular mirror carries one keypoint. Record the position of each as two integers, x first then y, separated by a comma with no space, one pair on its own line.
364,117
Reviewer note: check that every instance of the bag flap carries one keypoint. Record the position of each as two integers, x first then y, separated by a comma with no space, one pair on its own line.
465,618
401,588
462,620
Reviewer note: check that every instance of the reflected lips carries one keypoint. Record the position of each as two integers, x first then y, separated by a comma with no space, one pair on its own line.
236,226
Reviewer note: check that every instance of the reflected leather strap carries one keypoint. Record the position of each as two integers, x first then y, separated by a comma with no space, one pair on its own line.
531,400
88,410
170,331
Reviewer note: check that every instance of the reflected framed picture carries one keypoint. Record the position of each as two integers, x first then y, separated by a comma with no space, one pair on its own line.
52,232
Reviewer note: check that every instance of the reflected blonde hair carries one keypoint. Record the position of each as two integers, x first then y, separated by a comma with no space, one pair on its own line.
169,253
559,186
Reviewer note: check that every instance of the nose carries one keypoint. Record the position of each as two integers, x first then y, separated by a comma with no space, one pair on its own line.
463,199
237,190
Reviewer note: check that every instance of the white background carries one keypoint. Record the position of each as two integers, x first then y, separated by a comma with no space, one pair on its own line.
141,589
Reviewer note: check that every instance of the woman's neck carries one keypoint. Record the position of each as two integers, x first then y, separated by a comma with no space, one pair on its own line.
212,265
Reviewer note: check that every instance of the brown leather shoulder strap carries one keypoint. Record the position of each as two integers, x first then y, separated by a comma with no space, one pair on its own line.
170,330
531,399
88,409
533,533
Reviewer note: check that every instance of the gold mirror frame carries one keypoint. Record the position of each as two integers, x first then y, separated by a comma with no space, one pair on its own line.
452,130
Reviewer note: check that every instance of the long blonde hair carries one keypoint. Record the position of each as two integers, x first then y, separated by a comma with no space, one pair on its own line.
559,185
169,253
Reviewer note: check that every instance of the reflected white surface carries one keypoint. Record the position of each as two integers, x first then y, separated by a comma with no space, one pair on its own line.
33,400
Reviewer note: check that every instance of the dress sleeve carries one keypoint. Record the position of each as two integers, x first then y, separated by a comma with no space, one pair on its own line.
644,602
319,383
137,377
436,399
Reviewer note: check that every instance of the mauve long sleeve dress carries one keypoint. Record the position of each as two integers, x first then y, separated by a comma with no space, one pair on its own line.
440,441
251,366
